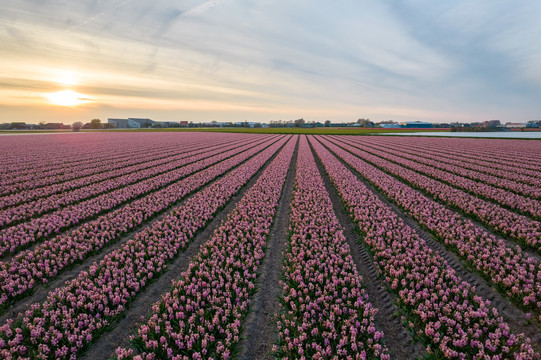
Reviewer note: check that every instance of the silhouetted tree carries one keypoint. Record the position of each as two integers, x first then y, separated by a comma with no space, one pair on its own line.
95,124
299,122
77,126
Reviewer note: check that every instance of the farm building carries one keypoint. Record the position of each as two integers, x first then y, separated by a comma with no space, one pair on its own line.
143,122
124,123
391,126
511,125
416,124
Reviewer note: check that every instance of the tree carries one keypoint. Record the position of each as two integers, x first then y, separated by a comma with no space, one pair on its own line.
327,123
77,126
365,122
95,124
109,126
299,122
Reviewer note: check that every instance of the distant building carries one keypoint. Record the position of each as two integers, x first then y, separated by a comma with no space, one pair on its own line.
391,126
143,122
167,124
55,126
511,125
124,123
18,125
491,123
416,125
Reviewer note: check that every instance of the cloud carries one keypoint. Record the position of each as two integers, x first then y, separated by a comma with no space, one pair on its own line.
202,8
348,59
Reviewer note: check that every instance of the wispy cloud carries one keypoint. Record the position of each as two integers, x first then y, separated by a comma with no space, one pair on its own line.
267,59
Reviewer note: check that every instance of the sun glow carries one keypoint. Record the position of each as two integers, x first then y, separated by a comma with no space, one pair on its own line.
67,98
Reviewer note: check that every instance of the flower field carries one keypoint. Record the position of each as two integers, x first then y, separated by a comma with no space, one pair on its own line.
269,246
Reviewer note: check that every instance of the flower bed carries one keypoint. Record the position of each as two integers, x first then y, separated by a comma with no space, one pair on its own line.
438,306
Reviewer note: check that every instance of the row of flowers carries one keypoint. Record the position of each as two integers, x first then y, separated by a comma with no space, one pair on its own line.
75,315
57,156
497,151
103,183
201,316
56,168
524,205
457,167
325,313
511,270
52,157
437,305
76,178
518,227
29,268
19,236
518,168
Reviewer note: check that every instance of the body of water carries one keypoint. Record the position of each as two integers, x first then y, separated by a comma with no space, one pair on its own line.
503,134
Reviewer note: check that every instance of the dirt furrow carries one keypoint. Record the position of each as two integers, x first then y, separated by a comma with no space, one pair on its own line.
509,241
401,345
515,317
141,306
260,327
42,290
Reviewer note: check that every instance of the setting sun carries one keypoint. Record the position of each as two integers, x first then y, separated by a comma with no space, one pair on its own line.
67,98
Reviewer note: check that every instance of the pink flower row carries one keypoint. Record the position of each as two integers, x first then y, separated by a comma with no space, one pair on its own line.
29,268
441,308
512,271
201,316
60,153
53,155
63,194
455,167
56,167
325,313
519,167
496,151
77,178
76,314
12,239
504,198
516,226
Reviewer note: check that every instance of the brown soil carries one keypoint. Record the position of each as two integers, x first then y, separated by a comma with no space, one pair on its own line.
141,306
260,326
515,317
42,290
400,344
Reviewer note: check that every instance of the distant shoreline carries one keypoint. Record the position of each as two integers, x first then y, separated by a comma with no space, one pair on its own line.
438,132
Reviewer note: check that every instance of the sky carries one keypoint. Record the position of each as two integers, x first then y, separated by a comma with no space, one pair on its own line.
238,60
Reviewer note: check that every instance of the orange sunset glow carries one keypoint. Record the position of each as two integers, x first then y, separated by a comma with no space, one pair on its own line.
67,98
262,61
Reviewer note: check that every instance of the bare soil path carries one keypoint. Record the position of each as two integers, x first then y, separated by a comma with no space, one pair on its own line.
42,290
260,327
515,317
401,345
141,306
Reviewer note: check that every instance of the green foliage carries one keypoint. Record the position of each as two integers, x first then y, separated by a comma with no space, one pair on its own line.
95,124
